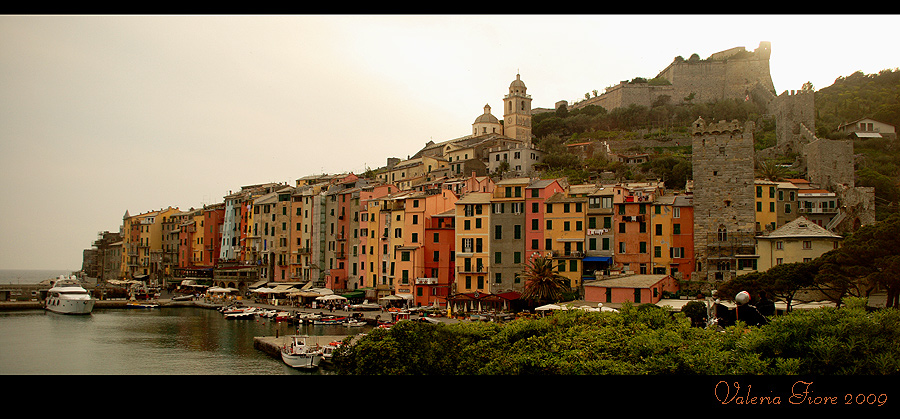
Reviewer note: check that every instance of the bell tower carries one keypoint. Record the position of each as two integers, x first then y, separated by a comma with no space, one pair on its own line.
517,112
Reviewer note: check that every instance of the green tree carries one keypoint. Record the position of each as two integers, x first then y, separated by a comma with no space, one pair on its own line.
867,259
543,283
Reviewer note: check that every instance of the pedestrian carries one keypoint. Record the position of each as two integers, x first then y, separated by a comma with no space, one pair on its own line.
765,306
746,312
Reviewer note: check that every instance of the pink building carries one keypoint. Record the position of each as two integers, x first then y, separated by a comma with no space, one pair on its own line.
638,289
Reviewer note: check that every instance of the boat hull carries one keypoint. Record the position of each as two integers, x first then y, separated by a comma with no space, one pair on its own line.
307,360
65,306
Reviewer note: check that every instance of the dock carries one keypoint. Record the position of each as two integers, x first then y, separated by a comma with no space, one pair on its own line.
271,345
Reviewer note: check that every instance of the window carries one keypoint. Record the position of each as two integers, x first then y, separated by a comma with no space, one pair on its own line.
807,244
404,256
498,232
517,232
676,228
549,224
498,258
643,246
621,247
657,251
437,256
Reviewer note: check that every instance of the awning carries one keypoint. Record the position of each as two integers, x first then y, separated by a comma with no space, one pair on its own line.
259,284
354,294
278,289
867,134
598,259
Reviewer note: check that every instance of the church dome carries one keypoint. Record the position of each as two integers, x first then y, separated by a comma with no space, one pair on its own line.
486,117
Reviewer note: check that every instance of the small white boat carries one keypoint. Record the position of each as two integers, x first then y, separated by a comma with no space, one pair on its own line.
354,323
329,350
298,353
266,313
246,313
135,304
67,296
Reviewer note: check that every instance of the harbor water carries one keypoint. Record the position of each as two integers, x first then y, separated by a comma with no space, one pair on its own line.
159,341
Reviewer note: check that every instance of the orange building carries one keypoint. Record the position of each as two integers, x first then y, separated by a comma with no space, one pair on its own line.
632,204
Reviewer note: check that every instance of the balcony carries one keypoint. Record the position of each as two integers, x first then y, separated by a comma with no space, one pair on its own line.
426,281
818,210
473,270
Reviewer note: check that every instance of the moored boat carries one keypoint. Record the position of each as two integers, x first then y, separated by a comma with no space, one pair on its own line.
67,296
330,320
246,313
299,353
329,350
135,304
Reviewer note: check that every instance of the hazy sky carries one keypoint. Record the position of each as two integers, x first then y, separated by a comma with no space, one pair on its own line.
103,114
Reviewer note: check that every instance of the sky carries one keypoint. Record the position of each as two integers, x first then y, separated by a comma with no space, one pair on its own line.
103,114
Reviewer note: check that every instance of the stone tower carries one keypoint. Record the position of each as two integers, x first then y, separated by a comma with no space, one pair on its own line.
517,112
724,199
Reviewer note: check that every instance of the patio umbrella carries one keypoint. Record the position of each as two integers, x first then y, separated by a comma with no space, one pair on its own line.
550,307
332,297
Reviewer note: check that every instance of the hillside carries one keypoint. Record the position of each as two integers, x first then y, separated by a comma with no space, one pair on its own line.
849,98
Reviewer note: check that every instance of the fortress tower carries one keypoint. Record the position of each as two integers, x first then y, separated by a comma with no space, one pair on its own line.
724,213
517,112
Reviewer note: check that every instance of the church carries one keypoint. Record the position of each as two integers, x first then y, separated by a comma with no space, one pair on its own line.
494,146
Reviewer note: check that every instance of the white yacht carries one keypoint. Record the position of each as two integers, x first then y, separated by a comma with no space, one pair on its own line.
67,296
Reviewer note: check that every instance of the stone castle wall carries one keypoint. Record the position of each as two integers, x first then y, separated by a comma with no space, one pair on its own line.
717,78
829,163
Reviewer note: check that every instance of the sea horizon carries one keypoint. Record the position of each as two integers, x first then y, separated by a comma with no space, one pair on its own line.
31,276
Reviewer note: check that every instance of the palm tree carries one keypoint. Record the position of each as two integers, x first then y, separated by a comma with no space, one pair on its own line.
770,170
543,283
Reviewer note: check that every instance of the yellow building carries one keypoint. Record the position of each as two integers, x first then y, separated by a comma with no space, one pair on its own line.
473,242
800,240
564,234
766,202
